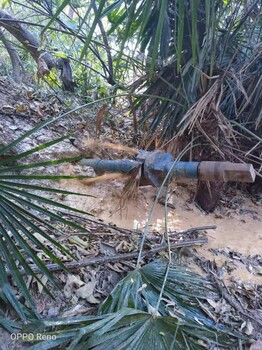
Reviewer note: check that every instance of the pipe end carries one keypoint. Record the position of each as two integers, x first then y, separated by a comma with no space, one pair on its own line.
226,171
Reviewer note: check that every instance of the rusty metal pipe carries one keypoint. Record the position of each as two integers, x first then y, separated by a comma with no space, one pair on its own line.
226,171
156,165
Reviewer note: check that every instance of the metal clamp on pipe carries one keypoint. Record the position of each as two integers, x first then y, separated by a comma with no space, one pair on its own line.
156,165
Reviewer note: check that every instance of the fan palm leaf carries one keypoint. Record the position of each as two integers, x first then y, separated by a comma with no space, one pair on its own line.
129,329
140,289
26,215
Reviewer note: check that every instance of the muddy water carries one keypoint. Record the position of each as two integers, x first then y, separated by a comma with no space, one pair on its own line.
239,233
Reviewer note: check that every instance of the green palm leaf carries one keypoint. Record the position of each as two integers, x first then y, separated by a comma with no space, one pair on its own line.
92,29
9,298
21,212
130,329
140,289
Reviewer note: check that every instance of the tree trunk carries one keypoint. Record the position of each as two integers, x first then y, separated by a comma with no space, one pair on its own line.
32,44
15,59
208,195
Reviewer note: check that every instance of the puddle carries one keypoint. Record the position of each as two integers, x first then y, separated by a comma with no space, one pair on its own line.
239,233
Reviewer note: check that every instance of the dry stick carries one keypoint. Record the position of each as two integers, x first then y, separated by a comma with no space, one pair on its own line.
123,231
135,124
194,229
115,258
232,300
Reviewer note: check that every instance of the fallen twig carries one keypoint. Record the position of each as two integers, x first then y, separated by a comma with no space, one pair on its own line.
123,231
232,300
183,232
115,258
194,229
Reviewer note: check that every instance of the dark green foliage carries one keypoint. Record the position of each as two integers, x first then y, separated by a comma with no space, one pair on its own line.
213,77
130,319
141,288
24,214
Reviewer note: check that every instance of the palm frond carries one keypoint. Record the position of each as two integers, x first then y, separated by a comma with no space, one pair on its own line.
57,13
140,289
215,51
130,329
21,211
8,298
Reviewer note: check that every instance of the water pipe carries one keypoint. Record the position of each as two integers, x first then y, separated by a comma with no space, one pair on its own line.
155,166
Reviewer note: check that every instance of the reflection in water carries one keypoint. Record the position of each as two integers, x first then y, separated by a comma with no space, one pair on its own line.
157,224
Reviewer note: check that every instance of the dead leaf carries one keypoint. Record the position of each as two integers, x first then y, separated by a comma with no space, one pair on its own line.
40,306
21,108
44,280
107,249
78,241
76,310
40,110
86,292
72,283
249,328
53,311
100,116
93,300
213,303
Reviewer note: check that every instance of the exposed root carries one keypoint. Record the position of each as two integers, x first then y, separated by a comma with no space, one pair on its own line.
130,190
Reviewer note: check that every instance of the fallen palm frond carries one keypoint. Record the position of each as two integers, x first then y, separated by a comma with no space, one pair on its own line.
94,146
129,319
141,288
8,298
130,329
130,190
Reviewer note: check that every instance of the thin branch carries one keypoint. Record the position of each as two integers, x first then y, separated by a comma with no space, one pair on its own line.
107,48
193,229
232,300
166,234
116,258
15,59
